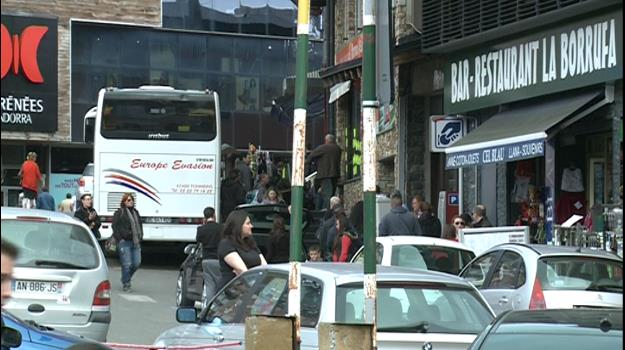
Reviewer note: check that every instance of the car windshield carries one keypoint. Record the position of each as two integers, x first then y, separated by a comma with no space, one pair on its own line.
408,308
580,273
436,258
51,245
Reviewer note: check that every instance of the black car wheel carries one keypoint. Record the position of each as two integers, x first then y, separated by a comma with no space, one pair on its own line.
181,292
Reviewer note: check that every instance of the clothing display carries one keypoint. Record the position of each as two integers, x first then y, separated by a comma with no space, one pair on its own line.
572,180
520,192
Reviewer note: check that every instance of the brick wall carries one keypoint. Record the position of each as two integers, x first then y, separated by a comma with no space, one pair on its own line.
144,12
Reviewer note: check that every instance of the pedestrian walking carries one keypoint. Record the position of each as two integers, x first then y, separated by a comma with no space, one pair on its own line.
399,221
417,200
272,197
261,187
327,158
67,205
237,249
278,249
243,165
466,217
232,193
45,201
344,246
30,178
209,234
449,232
479,217
314,253
128,232
429,223
88,215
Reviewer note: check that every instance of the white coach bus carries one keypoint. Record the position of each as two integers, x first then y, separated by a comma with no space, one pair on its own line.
162,145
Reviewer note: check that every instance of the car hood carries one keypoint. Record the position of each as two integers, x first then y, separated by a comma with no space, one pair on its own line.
190,334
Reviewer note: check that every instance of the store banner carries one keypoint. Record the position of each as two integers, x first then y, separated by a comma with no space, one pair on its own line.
61,184
29,73
583,53
496,154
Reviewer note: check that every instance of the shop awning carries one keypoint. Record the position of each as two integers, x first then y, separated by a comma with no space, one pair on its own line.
518,133
339,90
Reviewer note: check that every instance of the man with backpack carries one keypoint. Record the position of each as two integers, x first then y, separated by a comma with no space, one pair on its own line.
399,221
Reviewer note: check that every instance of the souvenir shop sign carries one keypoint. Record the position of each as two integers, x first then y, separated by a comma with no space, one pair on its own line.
496,154
582,53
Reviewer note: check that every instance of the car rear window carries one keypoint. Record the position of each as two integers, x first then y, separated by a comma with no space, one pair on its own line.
580,273
575,341
416,308
54,245
436,258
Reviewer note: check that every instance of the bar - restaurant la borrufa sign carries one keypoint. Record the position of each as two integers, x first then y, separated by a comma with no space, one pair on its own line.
578,54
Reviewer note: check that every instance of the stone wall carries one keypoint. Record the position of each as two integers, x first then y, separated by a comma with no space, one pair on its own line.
143,12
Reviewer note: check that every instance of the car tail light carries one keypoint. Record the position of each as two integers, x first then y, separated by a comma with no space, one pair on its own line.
537,301
81,182
102,296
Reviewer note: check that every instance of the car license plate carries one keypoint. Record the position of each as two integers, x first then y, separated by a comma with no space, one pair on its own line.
37,287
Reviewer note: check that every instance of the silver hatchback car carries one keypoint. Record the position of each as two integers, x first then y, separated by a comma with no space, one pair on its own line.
519,276
60,276
416,308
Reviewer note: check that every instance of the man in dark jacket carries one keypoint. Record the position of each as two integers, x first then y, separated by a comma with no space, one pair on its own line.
45,200
479,217
430,224
232,193
327,158
399,221
209,234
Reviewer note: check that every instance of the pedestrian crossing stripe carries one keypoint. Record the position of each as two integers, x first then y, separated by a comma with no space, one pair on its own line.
138,298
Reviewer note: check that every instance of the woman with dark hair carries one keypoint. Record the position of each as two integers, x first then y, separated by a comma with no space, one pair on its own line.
128,233
343,240
278,251
237,250
451,231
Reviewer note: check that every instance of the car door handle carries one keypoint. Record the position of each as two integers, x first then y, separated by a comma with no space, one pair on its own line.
503,300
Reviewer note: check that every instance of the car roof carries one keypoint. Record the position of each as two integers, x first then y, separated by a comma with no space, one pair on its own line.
421,240
547,250
537,320
14,213
346,273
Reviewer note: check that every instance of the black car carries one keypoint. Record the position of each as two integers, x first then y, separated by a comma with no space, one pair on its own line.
190,286
571,329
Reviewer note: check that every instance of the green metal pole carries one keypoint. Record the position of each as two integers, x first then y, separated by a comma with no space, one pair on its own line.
369,112
299,155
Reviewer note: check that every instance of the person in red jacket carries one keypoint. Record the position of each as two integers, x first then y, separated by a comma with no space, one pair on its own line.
30,178
343,241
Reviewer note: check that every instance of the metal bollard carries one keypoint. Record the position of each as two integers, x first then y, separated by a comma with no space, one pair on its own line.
337,336
270,332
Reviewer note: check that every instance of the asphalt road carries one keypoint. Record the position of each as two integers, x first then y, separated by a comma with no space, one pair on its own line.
140,316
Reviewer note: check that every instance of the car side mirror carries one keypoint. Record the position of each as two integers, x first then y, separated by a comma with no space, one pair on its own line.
11,338
186,315
188,249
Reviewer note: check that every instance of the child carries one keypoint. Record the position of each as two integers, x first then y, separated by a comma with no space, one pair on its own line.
314,253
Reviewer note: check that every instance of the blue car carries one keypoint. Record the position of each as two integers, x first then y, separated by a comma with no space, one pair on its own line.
38,337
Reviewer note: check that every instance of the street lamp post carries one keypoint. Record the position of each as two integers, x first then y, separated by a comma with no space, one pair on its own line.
299,154
370,108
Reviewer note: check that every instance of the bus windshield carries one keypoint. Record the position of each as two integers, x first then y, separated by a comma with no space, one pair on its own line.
158,116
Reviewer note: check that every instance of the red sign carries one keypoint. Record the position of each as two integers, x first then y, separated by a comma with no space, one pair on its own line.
351,51
22,48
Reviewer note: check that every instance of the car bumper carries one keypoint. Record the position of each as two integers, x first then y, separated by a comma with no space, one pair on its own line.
96,329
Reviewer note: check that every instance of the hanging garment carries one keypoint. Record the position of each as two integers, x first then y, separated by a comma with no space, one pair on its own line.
572,180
